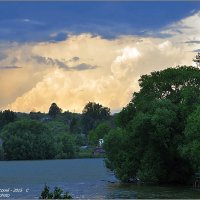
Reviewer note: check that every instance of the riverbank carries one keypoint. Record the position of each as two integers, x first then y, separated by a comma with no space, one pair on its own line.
89,153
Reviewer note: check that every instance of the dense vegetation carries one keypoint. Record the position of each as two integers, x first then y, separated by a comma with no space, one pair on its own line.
56,135
158,132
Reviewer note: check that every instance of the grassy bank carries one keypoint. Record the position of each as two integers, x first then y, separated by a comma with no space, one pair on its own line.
88,153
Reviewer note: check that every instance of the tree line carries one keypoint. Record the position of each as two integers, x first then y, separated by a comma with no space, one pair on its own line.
55,135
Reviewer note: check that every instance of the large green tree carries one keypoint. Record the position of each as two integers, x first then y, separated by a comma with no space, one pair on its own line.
65,146
93,113
26,140
153,128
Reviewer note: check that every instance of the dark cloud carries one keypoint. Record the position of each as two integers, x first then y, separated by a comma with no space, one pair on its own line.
193,42
63,65
9,67
196,50
84,66
74,59
43,60
50,61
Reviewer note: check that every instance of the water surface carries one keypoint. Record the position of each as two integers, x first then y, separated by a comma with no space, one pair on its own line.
82,178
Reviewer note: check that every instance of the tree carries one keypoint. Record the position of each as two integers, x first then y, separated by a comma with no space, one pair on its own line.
191,147
153,125
98,133
6,117
36,115
58,127
181,85
65,146
93,113
125,115
73,127
26,140
116,154
54,110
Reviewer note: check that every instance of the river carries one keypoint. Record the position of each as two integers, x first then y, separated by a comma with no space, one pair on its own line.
82,178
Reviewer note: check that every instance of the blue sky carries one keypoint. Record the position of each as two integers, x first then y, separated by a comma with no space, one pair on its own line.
36,21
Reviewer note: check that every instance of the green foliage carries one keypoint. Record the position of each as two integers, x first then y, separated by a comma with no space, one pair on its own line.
152,144
117,158
36,115
86,153
54,110
46,194
73,127
191,147
65,146
47,136
169,83
151,169
92,115
27,139
6,117
125,115
1,153
56,194
57,127
80,140
98,133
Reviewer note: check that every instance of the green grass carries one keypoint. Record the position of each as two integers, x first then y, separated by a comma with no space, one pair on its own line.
88,153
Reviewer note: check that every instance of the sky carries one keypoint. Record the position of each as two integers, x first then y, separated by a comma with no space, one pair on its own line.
75,52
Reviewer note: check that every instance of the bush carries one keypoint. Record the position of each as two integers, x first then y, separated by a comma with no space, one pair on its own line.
27,140
56,194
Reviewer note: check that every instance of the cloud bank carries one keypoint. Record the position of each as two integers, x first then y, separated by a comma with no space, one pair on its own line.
85,68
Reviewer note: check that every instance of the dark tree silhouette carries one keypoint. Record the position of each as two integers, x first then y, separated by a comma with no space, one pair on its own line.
93,113
6,117
54,110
